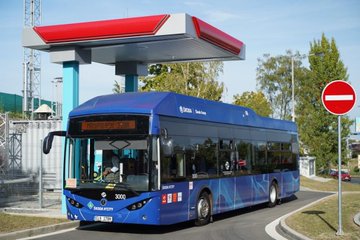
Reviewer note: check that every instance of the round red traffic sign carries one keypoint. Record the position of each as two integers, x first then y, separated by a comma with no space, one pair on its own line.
338,97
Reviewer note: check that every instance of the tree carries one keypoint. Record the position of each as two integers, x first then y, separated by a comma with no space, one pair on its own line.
317,127
117,87
254,100
274,80
197,79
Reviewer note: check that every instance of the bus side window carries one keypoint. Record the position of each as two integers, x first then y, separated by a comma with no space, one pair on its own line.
177,165
274,157
259,163
225,157
245,158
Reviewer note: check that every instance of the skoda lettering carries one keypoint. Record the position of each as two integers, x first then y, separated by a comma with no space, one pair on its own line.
185,109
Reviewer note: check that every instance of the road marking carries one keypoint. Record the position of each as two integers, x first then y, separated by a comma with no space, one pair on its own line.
48,234
270,229
339,97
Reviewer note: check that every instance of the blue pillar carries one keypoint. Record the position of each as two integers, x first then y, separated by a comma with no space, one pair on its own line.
131,83
70,101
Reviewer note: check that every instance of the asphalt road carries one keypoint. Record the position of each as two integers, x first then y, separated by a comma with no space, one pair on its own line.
355,180
247,224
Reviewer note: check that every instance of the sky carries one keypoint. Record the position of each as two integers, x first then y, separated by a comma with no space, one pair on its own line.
264,26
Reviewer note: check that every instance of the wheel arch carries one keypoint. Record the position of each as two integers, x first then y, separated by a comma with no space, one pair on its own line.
208,191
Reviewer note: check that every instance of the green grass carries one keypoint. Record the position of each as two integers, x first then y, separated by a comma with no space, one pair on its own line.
331,185
352,163
12,223
320,221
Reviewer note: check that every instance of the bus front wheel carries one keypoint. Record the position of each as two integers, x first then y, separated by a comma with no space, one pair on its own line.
273,195
203,209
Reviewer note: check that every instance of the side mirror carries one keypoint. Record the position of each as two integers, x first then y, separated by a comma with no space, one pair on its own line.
167,145
47,143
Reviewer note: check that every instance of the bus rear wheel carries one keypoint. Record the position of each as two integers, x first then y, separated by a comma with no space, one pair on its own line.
203,209
273,195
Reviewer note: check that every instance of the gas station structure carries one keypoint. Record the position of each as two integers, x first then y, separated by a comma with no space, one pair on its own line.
129,44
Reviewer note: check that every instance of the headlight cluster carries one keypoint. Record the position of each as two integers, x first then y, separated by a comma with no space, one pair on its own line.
138,205
74,203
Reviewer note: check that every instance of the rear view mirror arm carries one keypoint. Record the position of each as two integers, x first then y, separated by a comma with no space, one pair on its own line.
47,143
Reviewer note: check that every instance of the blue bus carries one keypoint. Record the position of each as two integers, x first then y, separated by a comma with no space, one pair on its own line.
161,158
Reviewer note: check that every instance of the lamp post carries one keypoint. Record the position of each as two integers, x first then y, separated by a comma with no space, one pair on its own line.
293,82
292,89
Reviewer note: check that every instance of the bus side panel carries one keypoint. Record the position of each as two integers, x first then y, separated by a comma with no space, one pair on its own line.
222,191
174,200
291,183
243,194
260,185
225,200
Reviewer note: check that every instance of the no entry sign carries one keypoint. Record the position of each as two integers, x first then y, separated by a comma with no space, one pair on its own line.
338,97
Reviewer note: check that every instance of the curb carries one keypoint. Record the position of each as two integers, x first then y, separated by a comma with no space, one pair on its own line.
357,219
291,232
38,231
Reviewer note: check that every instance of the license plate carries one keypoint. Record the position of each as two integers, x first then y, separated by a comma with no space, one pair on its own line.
103,219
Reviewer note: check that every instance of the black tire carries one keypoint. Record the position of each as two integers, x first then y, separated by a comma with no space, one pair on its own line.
273,195
203,209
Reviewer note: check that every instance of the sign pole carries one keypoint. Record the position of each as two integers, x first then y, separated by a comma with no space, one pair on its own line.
338,98
339,232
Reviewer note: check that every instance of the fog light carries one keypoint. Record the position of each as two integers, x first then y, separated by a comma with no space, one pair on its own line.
144,217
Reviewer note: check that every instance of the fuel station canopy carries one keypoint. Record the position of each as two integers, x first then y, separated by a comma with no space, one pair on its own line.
149,39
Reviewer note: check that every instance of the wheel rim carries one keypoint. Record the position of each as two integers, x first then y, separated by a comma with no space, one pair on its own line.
203,208
273,194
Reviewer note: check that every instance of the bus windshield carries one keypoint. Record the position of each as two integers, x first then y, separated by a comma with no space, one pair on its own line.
103,163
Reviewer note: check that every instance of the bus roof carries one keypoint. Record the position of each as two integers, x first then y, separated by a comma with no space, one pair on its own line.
180,106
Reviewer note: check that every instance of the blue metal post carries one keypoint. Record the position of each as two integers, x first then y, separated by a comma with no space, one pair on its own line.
70,101
131,83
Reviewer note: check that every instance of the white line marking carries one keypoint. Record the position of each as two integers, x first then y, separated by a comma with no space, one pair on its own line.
48,234
339,97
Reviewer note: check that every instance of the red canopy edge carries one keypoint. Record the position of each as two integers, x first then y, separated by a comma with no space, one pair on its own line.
217,37
118,28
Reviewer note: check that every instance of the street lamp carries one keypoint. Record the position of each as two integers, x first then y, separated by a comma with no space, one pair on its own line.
293,82
292,89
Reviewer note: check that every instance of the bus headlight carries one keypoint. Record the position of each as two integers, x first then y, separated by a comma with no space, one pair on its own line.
137,205
74,203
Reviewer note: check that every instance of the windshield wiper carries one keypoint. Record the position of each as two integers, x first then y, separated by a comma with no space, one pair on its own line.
106,185
125,186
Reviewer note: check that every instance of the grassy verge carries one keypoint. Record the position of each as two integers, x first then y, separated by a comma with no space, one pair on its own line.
320,221
12,223
331,185
352,163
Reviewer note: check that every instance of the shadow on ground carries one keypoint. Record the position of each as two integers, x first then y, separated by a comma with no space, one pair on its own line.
149,229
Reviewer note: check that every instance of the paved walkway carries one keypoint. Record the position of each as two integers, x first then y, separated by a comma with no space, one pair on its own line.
320,179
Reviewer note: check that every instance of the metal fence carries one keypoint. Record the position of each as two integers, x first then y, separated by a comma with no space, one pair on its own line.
29,178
